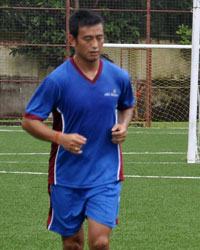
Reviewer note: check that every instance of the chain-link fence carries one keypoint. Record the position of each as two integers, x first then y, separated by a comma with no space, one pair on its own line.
34,40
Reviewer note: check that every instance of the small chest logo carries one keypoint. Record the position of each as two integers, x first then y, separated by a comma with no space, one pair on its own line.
113,93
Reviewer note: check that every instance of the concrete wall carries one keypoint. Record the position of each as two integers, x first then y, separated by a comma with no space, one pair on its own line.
166,63
19,65
14,96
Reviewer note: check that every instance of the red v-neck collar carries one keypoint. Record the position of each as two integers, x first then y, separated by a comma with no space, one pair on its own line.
79,70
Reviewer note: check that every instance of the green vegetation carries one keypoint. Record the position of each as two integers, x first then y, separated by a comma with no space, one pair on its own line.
49,27
185,34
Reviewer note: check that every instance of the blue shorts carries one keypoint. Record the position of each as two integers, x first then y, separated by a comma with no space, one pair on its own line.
70,206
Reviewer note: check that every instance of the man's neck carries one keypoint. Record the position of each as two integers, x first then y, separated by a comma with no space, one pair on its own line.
89,68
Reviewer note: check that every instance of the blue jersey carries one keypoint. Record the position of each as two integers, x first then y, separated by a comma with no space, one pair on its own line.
88,108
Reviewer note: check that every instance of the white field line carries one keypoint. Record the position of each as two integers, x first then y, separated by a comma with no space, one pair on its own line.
132,132
23,162
24,153
158,133
154,153
154,163
127,176
28,173
163,177
4,126
11,130
124,153
125,162
157,128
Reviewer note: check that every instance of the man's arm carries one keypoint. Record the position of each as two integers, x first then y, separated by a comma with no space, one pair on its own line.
120,129
71,142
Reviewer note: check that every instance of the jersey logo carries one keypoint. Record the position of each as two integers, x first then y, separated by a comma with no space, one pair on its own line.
113,93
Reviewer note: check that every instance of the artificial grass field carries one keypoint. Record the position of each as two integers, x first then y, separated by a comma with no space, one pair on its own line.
160,201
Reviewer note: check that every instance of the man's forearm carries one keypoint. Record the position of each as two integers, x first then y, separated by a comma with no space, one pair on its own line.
38,129
71,142
125,117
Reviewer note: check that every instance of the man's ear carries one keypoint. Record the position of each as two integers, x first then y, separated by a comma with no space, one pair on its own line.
72,40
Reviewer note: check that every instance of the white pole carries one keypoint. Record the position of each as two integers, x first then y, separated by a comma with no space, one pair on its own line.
192,137
146,46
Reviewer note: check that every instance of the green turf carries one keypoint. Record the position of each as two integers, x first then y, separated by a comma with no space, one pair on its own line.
24,209
155,213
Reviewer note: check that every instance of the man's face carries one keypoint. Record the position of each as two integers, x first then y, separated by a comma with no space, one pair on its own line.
89,42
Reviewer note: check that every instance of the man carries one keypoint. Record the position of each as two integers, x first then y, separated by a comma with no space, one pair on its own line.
85,167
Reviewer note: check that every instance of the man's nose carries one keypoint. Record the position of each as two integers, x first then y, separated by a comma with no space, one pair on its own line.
94,43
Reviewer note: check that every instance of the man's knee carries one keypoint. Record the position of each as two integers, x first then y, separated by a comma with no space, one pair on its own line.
75,243
101,243
72,246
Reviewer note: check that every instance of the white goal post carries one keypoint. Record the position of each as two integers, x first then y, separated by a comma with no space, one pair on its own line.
193,155
146,46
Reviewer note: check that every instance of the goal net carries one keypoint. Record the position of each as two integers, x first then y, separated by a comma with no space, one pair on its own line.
165,80
160,76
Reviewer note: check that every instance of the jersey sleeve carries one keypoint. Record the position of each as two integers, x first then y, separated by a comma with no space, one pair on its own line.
126,99
44,100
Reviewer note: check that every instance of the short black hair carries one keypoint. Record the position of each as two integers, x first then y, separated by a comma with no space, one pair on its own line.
83,17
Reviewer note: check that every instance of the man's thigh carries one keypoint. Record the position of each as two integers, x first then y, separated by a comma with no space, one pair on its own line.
103,204
70,207
67,210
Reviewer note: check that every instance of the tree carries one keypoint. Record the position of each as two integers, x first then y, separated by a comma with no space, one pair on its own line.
166,24
49,27
36,27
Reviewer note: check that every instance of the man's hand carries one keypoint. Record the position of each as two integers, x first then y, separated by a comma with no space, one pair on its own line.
118,133
72,142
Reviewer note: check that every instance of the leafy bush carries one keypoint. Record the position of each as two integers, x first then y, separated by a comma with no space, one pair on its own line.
185,34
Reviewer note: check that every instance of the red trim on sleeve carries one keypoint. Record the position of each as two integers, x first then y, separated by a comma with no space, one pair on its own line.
32,117
131,107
